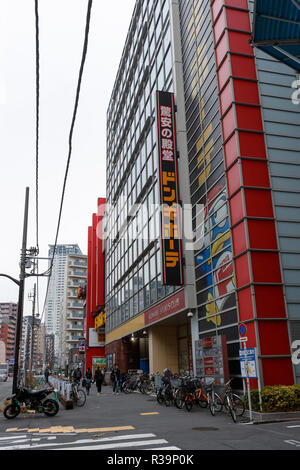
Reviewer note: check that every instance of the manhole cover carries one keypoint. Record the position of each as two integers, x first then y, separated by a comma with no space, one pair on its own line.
207,428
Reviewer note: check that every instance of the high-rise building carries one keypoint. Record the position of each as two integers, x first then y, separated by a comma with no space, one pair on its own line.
8,323
222,139
72,308
57,289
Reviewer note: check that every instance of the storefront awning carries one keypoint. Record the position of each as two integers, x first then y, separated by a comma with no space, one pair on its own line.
276,30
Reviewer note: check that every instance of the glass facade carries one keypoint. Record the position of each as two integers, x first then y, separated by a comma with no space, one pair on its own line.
215,282
133,257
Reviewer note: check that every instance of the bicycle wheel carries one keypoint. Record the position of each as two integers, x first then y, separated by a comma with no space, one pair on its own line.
179,398
230,408
160,397
218,403
238,405
202,401
189,403
81,397
211,402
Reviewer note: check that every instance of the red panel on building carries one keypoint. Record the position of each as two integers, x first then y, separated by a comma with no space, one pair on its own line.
255,173
235,60
95,292
269,301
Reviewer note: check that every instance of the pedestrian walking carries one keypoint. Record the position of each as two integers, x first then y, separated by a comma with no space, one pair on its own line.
115,379
46,374
98,378
87,381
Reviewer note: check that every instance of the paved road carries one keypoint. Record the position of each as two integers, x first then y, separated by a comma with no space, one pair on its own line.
136,422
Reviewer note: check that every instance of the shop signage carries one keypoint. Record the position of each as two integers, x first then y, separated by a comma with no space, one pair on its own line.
211,358
172,305
169,194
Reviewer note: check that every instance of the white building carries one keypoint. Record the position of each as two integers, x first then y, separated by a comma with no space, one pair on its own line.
57,289
72,308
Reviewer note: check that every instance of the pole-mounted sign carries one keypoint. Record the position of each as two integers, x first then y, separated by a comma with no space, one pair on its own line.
169,194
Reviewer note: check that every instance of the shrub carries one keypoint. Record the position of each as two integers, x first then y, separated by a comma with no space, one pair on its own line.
276,398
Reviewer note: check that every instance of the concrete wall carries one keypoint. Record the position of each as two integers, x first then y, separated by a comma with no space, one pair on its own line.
163,349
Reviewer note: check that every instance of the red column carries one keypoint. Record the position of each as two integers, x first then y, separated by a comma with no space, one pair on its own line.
100,256
258,275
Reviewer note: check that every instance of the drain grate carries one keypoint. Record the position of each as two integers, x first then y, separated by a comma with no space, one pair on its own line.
207,428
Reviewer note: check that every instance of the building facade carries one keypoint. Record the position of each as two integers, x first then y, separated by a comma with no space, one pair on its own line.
72,308
94,333
8,324
57,289
237,155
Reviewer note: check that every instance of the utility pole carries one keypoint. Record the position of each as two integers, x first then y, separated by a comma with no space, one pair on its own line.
21,294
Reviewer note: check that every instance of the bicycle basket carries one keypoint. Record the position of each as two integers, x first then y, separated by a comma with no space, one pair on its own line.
175,382
189,387
208,382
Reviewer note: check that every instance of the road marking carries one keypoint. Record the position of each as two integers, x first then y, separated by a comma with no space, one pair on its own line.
71,429
111,442
120,445
165,448
152,413
12,437
293,442
296,426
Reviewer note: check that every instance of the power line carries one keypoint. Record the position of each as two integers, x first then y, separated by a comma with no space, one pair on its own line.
37,68
84,53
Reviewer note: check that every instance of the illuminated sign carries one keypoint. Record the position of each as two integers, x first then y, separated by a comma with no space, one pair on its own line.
170,214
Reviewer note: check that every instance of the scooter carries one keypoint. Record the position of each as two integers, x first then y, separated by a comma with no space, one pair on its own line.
32,400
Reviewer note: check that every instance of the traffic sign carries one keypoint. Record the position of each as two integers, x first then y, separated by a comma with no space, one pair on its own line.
248,363
242,330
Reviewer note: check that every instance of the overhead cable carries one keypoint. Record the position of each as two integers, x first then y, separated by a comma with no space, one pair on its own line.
84,53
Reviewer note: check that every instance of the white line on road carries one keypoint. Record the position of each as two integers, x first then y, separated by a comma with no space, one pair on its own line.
165,448
12,437
296,426
88,441
119,445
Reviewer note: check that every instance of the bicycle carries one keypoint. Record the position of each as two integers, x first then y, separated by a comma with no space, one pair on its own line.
78,395
165,393
214,401
196,395
232,402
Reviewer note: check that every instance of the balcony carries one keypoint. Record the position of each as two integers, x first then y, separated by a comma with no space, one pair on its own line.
75,304
72,327
82,273
75,315
79,263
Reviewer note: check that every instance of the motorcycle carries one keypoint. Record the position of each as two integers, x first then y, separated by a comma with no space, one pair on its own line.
31,400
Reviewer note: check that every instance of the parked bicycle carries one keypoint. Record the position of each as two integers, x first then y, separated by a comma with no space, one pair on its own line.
233,404
78,395
165,393
194,394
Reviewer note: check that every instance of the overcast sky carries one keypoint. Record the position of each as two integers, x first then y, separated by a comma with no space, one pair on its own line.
62,24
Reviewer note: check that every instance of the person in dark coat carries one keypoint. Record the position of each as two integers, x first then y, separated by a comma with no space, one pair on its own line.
99,378
115,379
88,380
77,375
46,374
